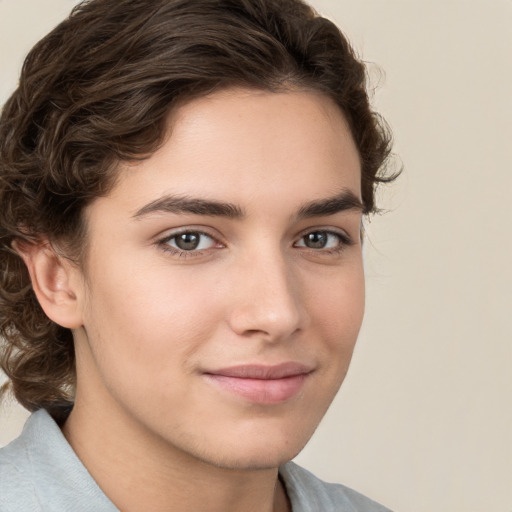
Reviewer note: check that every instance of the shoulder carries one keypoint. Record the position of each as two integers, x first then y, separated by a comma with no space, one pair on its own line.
40,472
308,493
17,492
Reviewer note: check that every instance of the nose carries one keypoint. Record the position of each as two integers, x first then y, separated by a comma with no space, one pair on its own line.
266,299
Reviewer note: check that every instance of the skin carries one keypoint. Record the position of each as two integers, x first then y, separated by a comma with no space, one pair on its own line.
150,323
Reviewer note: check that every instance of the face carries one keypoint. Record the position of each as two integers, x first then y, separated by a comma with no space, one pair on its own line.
223,289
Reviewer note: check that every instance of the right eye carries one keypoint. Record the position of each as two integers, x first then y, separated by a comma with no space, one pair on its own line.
188,241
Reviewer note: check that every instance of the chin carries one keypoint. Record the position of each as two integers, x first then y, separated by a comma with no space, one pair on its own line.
254,461
259,452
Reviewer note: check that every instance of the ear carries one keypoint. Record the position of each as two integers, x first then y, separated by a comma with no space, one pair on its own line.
55,281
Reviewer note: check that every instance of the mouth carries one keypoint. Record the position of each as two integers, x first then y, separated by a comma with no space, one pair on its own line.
262,384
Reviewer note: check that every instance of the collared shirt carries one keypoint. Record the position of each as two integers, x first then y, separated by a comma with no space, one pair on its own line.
40,472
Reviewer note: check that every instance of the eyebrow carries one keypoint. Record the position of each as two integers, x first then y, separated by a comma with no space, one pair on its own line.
196,206
344,201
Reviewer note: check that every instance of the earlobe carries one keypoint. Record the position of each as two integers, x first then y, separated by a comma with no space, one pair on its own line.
53,282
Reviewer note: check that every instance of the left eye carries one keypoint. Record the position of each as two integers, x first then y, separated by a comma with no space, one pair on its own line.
320,240
190,241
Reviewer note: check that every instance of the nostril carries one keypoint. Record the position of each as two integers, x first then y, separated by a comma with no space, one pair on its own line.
277,323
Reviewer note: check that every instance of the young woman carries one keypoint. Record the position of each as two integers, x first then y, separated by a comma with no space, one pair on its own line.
182,186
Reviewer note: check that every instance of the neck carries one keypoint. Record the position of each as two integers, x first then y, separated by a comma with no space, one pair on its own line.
139,471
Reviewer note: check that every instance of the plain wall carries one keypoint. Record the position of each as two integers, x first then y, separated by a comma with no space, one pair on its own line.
424,418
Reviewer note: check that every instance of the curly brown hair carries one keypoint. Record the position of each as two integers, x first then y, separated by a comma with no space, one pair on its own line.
98,89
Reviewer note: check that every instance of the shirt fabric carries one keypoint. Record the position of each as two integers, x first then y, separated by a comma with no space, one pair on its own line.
40,472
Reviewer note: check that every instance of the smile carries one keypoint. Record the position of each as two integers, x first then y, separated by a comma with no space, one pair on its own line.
261,384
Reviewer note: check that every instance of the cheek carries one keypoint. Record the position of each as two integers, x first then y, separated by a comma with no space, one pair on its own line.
337,306
147,323
336,311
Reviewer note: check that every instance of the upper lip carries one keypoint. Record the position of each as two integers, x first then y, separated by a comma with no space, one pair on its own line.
264,372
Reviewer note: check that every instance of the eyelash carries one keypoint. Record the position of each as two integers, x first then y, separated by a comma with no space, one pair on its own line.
343,239
164,243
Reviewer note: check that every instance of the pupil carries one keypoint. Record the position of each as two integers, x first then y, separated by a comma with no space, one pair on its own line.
316,240
187,241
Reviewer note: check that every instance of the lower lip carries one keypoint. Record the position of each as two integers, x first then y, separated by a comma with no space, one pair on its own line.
261,391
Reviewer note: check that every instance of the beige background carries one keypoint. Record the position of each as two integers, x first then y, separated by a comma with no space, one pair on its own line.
424,420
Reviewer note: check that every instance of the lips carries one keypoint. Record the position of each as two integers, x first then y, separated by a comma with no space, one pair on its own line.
262,384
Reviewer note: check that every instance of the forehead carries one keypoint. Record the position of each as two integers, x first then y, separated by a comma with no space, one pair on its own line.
243,145
265,127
